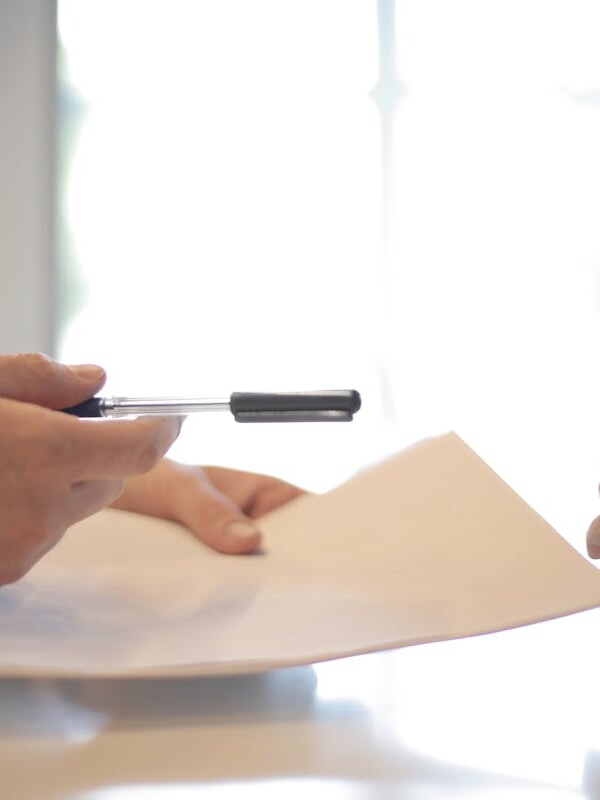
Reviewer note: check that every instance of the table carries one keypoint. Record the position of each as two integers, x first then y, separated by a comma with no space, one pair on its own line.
508,715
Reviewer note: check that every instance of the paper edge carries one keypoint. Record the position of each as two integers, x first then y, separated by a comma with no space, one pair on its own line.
250,667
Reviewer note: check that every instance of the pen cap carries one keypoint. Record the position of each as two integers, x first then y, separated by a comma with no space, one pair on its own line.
295,406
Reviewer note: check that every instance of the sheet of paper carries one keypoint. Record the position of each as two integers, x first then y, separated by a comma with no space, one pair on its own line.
428,545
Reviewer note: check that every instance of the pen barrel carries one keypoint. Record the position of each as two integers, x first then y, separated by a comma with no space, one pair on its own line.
325,406
114,407
159,406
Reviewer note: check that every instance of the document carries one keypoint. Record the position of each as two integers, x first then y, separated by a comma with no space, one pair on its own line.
428,545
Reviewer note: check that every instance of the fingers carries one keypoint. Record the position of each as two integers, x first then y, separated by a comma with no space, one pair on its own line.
255,494
272,494
121,448
218,522
219,505
215,503
593,539
57,469
186,495
38,379
49,447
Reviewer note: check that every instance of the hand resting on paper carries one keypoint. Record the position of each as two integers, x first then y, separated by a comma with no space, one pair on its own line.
56,469
218,505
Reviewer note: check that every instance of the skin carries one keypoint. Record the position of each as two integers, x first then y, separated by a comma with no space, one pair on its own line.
593,538
56,469
218,505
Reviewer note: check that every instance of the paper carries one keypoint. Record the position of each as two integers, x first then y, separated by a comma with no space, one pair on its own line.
426,546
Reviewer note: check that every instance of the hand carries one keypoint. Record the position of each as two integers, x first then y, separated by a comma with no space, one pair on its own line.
218,505
56,469
593,539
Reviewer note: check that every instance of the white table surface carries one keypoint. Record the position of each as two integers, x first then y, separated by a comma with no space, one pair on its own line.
510,715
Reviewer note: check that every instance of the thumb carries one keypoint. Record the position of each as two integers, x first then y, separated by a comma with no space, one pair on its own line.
39,379
216,520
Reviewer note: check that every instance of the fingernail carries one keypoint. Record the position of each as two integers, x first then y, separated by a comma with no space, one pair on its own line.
88,372
241,531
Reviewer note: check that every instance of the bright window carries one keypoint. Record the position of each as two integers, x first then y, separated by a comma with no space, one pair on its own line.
224,215
222,211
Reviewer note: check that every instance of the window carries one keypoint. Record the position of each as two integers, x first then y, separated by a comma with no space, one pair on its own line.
224,208
221,208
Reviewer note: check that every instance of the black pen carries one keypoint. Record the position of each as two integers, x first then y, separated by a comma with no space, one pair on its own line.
324,406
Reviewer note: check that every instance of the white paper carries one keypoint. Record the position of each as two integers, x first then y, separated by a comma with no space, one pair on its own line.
428,545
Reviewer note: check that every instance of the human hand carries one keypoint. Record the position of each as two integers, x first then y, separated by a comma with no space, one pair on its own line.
218,505
56,469
593,539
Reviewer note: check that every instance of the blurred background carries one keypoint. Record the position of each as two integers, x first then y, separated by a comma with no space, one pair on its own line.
397,197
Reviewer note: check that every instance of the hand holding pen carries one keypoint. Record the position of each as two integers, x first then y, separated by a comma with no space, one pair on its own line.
58,469
55,469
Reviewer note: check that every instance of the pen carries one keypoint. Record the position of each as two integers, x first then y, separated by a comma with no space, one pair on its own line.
324,406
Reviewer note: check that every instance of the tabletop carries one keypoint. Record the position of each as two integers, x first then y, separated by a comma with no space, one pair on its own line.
510,715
